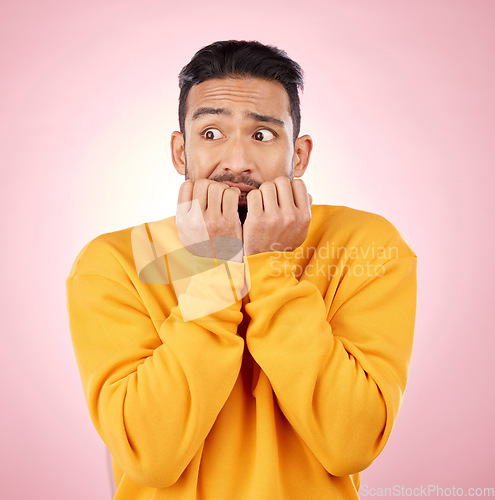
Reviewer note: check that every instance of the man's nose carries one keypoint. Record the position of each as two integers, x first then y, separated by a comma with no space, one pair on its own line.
237,156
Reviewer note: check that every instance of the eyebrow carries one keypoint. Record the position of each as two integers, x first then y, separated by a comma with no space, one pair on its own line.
210,111
249,114
265,118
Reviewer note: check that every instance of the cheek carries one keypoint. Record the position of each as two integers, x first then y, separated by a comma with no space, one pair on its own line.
278,162
200,163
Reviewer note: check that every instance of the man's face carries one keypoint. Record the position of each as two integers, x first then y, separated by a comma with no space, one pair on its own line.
238,131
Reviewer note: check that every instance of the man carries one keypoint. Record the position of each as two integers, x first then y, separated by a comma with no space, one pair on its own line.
254,346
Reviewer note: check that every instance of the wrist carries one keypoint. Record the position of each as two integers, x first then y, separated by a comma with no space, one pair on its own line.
267,272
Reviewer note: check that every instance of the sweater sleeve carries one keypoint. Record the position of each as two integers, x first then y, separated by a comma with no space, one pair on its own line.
153,390
339,382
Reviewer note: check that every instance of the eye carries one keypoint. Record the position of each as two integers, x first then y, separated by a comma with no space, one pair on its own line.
264,135
212,134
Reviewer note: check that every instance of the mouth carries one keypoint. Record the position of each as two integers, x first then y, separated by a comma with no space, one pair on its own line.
245,188
242,206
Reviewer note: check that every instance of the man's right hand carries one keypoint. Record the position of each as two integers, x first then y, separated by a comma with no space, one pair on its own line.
207,219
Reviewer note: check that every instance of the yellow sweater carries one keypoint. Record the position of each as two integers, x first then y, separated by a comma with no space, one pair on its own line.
287,393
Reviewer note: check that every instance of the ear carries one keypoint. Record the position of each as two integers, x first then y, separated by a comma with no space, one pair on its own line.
178,152
302,152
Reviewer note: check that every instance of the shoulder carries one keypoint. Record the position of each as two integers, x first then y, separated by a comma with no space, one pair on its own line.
351,227
109,254
102,253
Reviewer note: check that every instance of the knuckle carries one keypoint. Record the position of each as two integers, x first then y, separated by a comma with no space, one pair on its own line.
267,185
211,225
290,218
214,186
272,220
281,180
254,196
232,192
217,225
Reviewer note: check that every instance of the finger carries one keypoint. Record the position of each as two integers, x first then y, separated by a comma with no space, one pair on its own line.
254,202
284,192
200,192
230,201
214,196
269,195
301,198
185,195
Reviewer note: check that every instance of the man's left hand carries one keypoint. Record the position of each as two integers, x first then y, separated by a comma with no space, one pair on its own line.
278,218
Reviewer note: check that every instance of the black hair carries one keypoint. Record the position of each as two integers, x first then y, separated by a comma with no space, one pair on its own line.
239,58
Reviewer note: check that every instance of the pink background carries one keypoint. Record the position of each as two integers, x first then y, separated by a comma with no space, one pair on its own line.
399,100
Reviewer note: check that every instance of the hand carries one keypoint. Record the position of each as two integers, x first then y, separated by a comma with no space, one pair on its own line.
208,220
278,217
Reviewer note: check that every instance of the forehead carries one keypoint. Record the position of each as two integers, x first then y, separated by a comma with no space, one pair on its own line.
240,94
